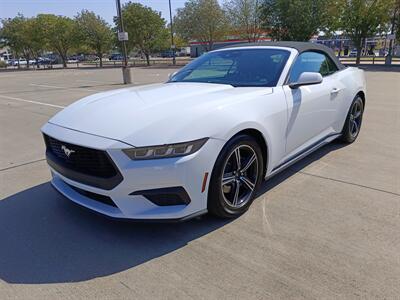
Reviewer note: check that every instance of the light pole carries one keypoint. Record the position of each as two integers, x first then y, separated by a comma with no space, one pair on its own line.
123,37
388,58
172,34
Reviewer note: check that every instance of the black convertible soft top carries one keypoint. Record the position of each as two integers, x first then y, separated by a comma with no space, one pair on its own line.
299,46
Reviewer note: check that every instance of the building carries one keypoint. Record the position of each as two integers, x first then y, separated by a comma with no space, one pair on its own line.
5,54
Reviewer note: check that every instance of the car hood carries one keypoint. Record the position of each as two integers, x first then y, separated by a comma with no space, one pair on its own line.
155,114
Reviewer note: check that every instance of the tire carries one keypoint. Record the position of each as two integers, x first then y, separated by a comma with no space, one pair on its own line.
234,196
352,125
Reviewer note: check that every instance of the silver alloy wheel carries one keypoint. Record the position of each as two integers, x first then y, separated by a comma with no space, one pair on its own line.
355,118
240,176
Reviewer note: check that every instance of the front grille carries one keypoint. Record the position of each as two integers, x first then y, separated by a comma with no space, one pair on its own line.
84,160
89,166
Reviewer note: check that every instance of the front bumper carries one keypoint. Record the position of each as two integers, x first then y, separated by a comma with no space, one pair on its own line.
187,172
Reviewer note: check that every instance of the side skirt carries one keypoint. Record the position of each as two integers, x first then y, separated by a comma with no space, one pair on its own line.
302,154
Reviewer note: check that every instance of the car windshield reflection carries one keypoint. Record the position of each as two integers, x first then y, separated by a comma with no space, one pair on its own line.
239,67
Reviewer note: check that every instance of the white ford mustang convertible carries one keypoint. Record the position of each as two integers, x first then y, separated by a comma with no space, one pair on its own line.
205,139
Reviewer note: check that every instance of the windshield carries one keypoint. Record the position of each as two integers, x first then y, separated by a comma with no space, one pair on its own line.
241,67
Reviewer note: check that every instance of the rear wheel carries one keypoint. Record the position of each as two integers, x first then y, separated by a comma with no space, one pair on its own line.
236,175
353,122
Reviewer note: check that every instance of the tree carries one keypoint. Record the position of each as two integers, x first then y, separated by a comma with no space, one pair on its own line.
35,39
61,34
21,35
244,17
95,32
396,17
146,29
201,20
11,35
394,27
364,18
296,20
179,41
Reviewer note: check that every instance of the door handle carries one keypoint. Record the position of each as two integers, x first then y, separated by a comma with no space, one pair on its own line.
335,90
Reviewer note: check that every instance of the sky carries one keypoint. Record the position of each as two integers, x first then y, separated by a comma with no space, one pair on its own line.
104,8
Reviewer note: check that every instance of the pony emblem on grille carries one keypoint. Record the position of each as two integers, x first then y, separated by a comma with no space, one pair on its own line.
67,151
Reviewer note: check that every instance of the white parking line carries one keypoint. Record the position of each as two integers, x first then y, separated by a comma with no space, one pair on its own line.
107,82
31,101
63,87
7,76
95,81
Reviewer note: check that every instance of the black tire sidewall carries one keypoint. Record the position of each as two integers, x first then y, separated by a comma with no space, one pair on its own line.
216,203
346,134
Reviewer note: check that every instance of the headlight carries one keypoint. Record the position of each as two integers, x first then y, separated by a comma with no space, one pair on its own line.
165,151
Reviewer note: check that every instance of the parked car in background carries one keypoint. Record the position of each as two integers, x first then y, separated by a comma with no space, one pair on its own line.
182,54
184,51
116,56
91,57
52,58
353,53
167,53
46,61
72,60
76,58
20,62
10,62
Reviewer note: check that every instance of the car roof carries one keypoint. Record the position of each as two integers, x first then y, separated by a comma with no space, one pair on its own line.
299,46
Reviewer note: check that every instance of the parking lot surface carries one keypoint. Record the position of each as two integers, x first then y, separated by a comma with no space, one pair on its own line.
327,228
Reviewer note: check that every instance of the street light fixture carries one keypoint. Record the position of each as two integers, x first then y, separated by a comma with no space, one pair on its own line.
172,35
123,37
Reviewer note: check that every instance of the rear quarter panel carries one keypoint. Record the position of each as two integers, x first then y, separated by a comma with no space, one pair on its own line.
353,81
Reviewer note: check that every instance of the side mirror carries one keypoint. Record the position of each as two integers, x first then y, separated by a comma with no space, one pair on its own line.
170,75
307,78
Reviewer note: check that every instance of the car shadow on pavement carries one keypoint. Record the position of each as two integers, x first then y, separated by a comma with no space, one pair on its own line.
298,166
44,238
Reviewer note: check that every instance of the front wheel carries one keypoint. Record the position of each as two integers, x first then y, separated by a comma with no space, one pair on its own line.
235,177
352,126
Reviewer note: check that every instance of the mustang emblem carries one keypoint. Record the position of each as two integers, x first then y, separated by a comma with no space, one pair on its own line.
67,151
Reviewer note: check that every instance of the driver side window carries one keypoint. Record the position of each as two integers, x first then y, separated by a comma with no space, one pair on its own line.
312,62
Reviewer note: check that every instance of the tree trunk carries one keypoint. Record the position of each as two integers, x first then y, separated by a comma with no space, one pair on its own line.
64,60
210,45
359,48
147,58
100,55
358,55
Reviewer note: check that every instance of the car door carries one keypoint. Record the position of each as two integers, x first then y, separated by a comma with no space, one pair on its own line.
311,108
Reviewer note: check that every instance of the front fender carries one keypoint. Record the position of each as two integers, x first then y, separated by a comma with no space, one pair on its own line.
268,116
